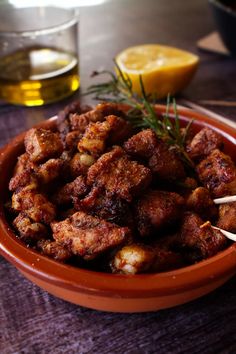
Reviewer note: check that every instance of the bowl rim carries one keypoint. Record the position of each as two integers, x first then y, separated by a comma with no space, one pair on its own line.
115,285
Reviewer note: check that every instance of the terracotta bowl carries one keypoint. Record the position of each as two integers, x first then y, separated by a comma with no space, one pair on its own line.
108,292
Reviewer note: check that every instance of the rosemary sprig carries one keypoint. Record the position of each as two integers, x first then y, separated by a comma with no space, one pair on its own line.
142,113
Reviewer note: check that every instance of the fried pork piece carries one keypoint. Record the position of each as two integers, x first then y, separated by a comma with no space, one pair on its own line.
203,143
137,258
199,239
141,144
88,236
23,179
227,217
163,161
54,250
49,171
81,121
200,202
97,134
80,164
114,172
218,173
108,207
157,209
72,139
67,193
34,205
63,119
28,229
42,144
94,138
166,164
23,163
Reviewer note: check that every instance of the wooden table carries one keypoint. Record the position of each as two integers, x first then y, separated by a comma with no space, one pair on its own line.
32,321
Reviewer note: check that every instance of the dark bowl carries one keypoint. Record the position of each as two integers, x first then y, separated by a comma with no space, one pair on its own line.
224,12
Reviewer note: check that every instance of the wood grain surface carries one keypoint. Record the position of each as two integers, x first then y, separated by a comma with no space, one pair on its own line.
32,321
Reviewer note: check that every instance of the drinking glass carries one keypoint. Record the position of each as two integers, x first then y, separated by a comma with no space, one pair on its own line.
38,54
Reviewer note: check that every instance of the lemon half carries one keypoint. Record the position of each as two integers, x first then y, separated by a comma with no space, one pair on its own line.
165,70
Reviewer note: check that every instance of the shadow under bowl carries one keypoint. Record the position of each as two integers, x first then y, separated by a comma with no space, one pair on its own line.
110,292
224,12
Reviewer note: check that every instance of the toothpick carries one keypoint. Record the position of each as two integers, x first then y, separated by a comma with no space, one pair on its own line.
228,199
228,234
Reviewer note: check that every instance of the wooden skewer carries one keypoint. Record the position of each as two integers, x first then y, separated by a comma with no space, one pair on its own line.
228,234
228,199
218,103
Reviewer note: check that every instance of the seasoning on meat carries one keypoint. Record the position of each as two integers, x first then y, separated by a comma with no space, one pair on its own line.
74,189
49,171
22,179
163,162
199,239
227,217
156,209
28,229
200,202
80,163
34,204
54,250
88,236
203,143
42,144
108,207
118,175
218,173
95,138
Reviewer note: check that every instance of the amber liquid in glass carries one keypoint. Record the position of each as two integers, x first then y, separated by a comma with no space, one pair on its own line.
36,75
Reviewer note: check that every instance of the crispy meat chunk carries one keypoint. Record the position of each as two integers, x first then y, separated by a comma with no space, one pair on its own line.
28,229
166,164
203,143
49,171
118,175
133,259
120,129
88,236
108,207
137,258
70,191
22,179
72,139
81,121
200,240
200,202
218,173
63,119
97,135
34,205
54,250
42,144
23,163
157,209
94,138
142,144
227,217
163,161
80,164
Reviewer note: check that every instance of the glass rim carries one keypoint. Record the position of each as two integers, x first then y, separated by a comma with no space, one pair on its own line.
44,31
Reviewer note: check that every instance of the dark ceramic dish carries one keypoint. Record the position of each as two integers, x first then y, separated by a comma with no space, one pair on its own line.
224,12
